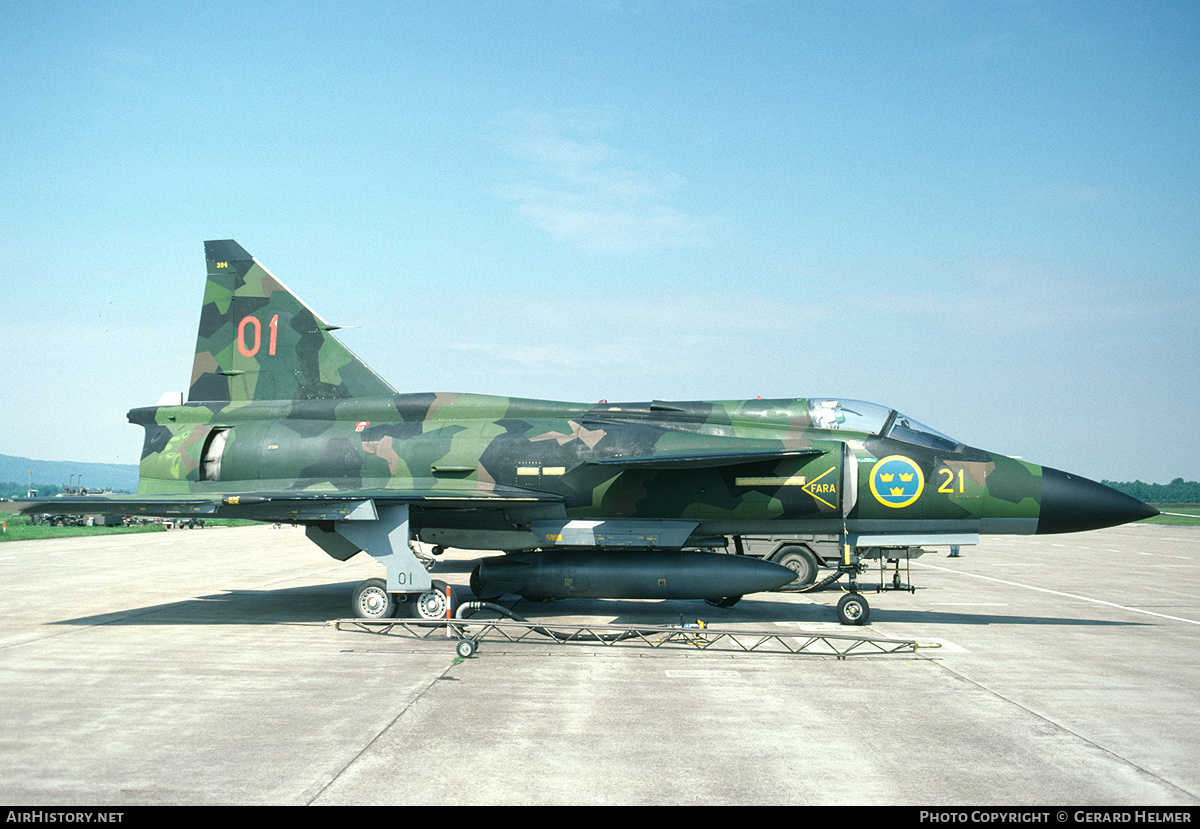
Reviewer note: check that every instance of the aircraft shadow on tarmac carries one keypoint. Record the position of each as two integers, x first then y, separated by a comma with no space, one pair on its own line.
286,605
765,612
326,602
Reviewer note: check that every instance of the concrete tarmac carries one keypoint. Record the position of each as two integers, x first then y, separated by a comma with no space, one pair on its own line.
198,667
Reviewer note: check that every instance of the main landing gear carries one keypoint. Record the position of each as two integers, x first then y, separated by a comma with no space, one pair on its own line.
372,601
383,532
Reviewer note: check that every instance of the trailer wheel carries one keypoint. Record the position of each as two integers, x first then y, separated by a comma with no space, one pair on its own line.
465,647
801,561
853,609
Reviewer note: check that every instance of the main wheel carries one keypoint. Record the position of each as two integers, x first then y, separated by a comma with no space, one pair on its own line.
852,609
728,601
432,604
373,601
801,561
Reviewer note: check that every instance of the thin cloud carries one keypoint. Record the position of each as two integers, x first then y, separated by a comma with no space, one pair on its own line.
584,191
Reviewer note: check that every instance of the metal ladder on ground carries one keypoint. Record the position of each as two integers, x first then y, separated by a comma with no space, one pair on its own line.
469,632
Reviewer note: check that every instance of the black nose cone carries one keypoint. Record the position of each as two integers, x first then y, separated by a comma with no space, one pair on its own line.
1072,504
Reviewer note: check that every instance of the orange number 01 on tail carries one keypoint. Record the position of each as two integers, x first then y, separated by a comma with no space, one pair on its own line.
250,349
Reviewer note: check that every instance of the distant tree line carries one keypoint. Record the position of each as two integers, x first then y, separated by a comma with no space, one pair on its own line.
1178,491
9,489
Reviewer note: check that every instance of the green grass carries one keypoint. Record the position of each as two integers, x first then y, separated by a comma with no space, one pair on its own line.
19,528
1176,520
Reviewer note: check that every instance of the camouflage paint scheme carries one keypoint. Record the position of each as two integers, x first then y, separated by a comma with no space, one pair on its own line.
759,461
284,423
304,415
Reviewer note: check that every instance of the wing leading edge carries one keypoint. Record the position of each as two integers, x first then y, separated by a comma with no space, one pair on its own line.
281,506
322,506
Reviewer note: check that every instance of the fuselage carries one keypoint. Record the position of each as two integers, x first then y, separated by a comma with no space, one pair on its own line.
799,465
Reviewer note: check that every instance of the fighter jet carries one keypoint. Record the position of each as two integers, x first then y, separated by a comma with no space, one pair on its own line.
628,500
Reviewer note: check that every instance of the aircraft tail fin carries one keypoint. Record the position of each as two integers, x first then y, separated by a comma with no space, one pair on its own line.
259,341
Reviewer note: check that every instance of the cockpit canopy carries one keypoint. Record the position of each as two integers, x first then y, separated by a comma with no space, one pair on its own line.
873,419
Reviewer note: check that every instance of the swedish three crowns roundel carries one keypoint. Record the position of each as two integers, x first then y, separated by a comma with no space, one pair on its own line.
896,481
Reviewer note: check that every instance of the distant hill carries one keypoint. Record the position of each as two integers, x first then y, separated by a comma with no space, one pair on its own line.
114,476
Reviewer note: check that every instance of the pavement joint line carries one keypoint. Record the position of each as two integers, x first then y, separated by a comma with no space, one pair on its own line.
1060,593
1063,728
334,776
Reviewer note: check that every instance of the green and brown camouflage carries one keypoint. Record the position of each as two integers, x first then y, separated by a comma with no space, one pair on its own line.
258,341
759,461
283,422
277,404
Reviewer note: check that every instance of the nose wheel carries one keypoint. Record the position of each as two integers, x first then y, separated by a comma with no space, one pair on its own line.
852,609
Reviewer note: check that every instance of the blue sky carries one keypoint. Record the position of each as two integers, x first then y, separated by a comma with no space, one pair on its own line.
982,213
